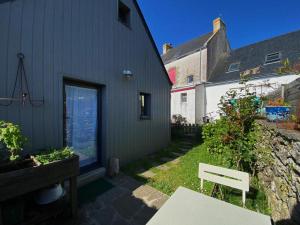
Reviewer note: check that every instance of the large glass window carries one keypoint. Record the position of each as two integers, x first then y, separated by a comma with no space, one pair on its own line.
81,122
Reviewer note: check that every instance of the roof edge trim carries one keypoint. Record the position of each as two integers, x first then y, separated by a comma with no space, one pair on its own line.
151,39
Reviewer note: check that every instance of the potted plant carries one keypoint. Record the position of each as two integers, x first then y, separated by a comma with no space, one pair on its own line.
21,174
278,110
12,142
52,155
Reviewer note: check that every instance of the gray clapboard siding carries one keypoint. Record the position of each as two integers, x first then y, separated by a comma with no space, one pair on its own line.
83,39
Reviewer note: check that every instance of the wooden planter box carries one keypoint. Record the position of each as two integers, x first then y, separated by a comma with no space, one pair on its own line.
19,182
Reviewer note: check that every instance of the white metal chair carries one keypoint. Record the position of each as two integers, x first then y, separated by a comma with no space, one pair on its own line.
228,177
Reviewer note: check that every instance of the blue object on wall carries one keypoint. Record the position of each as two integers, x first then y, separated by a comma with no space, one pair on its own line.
275,113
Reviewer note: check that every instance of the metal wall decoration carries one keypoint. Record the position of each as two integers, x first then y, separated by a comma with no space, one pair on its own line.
24,94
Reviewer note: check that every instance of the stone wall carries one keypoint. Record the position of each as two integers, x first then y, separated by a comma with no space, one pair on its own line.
282,178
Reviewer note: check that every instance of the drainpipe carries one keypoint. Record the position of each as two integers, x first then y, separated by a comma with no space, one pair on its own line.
205,99
283,91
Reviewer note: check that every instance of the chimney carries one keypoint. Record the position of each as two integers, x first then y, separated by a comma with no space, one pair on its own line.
218,24
167,47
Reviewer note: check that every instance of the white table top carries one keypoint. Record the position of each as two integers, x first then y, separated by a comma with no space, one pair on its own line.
187,207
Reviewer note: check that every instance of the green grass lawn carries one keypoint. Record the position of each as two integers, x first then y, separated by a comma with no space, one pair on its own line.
185,174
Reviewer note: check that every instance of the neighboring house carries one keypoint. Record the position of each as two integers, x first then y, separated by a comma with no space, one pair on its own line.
204,69
105,89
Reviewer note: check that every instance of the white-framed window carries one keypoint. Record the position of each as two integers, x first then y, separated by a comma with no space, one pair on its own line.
234,67
190,79
183,97
273,58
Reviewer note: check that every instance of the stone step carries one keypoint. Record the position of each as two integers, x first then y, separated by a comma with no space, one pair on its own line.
166,159
163,167
184,149
175,161
148,174
185,146
186,142
177,154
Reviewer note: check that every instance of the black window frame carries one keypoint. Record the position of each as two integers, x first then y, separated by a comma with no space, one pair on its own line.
86,84
185,97
124,14
188,79
146,113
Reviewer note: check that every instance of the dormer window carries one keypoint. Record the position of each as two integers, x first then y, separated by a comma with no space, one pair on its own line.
190,79
273,58
124,13
234,67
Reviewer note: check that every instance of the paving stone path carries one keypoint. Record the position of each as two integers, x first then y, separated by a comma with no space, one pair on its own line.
148,174
163,167
177,154
128,203
175,161
184,147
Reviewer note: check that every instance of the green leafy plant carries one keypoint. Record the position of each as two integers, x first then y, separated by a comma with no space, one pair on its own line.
234,135
179,119
52,155
12,138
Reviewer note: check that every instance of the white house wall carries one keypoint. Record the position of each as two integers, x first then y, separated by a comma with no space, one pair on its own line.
214,92
185,109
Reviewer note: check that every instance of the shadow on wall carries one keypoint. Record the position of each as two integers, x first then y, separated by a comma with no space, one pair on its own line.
295,217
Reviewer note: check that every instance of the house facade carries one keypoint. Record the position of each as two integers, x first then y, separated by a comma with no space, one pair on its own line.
95,79
204,69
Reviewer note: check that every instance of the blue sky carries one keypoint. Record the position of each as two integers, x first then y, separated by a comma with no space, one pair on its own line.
247,21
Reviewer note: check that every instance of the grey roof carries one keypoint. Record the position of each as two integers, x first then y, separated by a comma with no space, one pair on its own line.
186,48
253,55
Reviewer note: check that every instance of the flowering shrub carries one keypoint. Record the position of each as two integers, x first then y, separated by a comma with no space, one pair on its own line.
277,102
234,135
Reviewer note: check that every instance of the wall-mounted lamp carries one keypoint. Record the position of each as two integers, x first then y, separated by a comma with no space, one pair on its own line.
128,75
